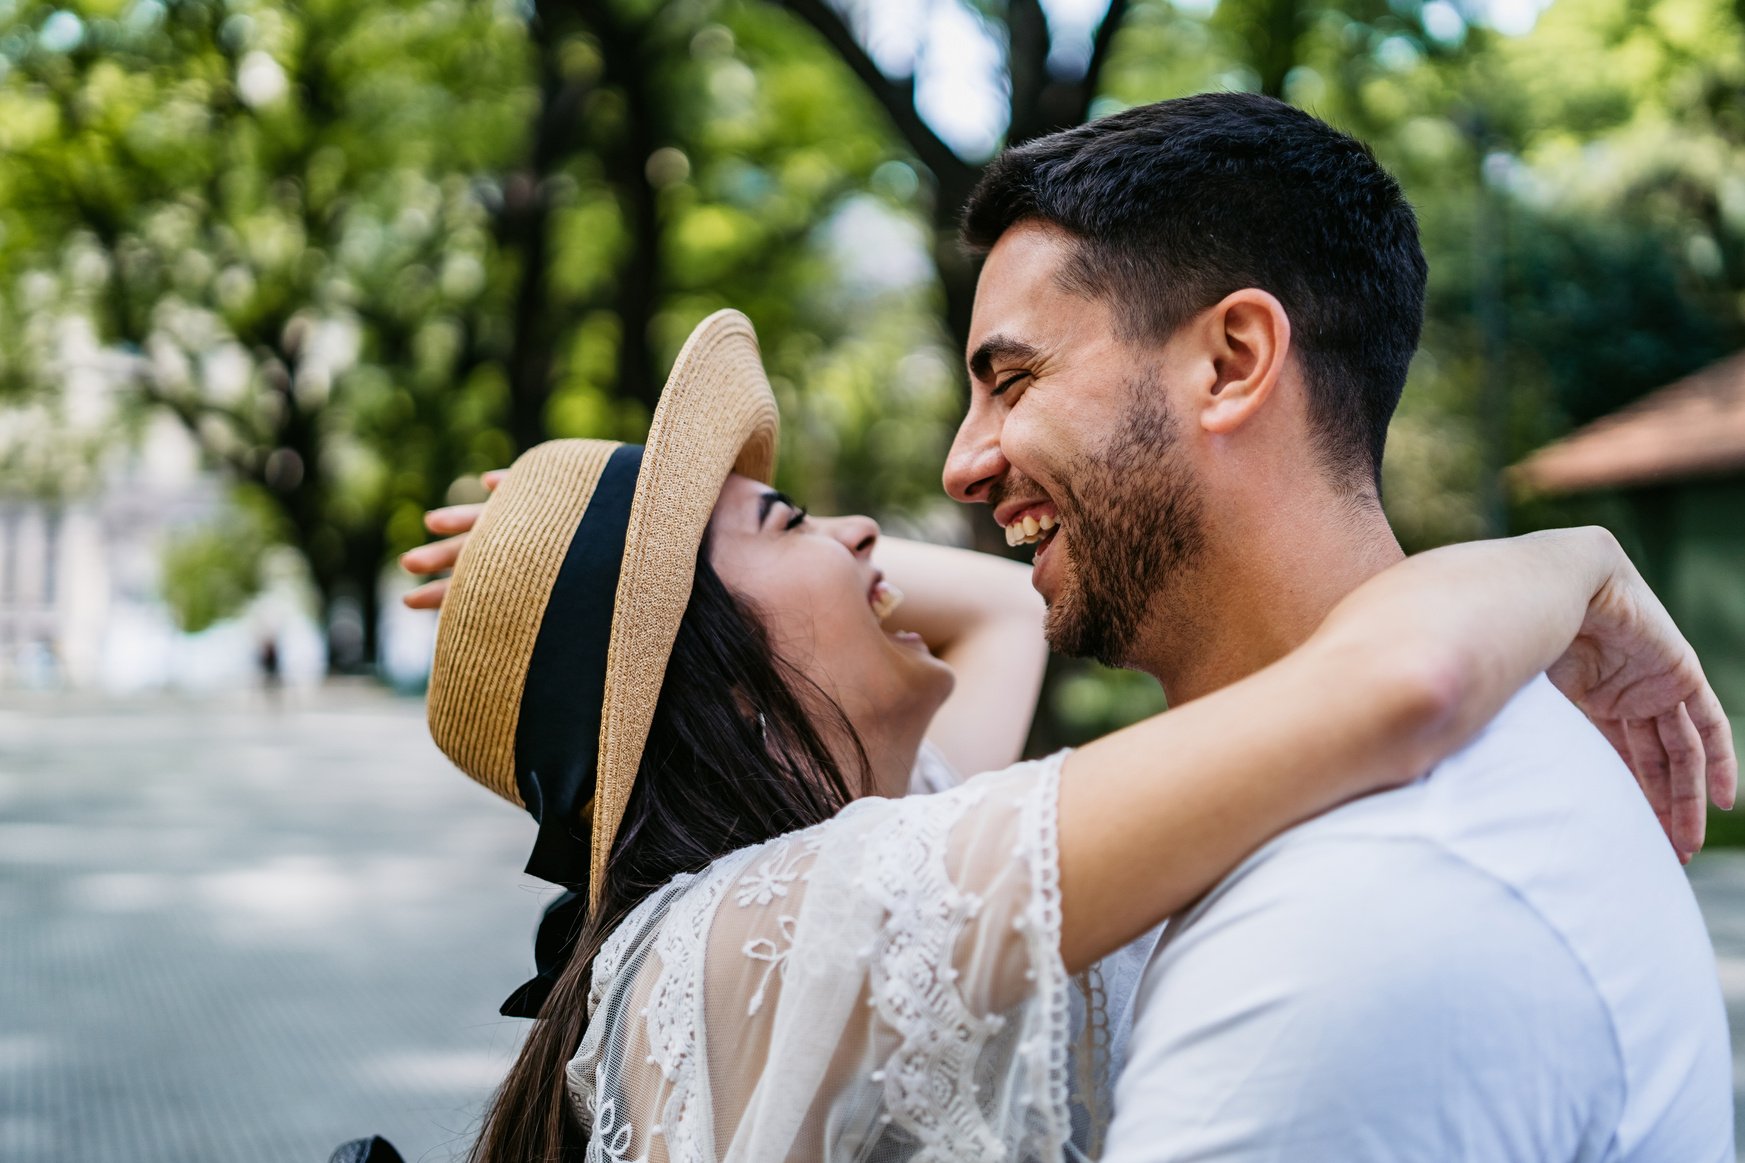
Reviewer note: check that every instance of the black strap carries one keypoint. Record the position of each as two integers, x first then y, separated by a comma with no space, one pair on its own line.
552,946
557,736
372,1150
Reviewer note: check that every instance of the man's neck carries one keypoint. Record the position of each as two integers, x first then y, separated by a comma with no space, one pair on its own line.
1261,593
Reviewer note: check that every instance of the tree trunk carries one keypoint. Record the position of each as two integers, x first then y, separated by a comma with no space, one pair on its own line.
524,225
365,550
638,286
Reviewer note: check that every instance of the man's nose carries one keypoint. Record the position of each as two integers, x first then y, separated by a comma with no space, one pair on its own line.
975,461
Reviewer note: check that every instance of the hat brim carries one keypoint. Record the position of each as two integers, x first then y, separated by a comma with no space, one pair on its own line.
716,416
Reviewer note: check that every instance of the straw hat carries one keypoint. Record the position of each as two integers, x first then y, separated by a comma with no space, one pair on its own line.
561,614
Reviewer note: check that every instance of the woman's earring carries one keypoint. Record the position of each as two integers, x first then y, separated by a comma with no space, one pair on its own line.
762,728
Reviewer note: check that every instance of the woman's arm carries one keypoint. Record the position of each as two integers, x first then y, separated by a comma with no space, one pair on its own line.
1399,676
978,613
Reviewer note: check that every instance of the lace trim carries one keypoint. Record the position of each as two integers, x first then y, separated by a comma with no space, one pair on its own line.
930,1087
1094,1059
610,1139
772,878
674,1015
628,934
774,952
1040,833
929,1082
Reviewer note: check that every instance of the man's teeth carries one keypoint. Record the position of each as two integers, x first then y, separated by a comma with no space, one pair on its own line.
886,598
1030,530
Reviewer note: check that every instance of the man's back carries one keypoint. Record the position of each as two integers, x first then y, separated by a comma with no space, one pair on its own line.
1502,961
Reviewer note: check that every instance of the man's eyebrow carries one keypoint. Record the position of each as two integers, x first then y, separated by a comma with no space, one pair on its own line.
769,501
981,364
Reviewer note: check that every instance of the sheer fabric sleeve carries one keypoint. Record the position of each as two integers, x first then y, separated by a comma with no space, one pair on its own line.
886,986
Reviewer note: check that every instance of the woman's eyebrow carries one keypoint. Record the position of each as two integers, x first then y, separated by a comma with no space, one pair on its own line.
769,501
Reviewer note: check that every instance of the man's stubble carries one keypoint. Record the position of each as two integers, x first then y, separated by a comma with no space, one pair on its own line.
1133,515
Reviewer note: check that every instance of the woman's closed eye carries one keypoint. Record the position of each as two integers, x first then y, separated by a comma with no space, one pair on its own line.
767,503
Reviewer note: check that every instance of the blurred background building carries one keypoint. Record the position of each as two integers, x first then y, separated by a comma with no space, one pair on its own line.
1667,474
95,521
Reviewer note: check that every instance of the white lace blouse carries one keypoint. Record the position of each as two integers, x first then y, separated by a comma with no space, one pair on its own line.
884,986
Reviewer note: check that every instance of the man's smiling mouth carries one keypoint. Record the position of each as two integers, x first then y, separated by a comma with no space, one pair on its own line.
1030,526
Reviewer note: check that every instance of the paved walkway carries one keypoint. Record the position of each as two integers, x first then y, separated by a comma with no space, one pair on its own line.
234,934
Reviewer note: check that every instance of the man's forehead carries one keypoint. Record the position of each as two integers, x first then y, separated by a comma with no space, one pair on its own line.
1026,257
1022,312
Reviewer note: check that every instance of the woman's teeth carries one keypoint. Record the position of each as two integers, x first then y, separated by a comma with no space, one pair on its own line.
886,598
1030,530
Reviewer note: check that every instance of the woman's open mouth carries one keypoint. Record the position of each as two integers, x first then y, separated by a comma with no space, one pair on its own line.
884,598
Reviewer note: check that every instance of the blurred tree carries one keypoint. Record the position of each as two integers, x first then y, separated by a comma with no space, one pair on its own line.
1630,120
363,249
720,157
210,572
1577,192
1604,144
1050,83
283,213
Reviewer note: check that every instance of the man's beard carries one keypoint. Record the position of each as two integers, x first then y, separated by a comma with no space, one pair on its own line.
1142,524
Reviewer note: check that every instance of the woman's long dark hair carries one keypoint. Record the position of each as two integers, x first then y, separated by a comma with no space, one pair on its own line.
739,752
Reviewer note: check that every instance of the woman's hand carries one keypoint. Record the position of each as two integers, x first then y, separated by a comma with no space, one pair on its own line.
1491,614
439,556
1634,675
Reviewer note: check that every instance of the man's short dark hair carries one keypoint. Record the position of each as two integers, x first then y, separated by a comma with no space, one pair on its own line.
1175,205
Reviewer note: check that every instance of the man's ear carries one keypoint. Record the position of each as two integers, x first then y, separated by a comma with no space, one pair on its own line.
1249,337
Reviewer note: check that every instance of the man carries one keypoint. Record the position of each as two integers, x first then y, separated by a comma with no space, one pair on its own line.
1192,326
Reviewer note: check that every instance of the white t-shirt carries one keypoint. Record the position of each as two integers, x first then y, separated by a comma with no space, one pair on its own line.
1500,962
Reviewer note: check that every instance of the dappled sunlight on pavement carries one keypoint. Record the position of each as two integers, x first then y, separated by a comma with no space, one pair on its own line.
235,932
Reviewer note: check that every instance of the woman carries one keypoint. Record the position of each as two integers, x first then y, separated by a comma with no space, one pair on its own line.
768,951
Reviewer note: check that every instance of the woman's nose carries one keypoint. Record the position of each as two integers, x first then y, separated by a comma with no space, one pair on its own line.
858,533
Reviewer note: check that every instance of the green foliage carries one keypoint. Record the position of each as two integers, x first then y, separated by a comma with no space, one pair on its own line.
211,572
279,216
722,174
362,249
1610,139
1091,701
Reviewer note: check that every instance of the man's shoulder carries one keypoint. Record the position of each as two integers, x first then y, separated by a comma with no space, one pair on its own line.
1351,903
1374,987
1536,819
1537,801
1521,894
